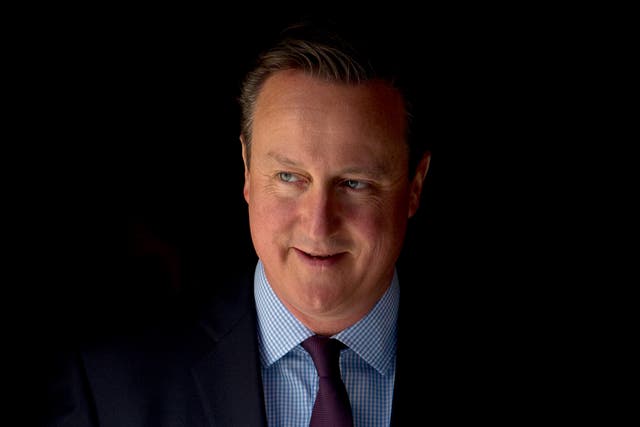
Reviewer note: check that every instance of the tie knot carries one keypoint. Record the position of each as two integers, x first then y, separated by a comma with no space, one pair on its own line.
325,353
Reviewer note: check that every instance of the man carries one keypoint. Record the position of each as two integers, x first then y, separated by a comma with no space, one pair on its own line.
333,174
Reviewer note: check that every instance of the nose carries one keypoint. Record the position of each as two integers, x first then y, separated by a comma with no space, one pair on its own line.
321,213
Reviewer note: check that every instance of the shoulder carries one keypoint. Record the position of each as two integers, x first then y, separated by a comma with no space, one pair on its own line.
145,365
188,320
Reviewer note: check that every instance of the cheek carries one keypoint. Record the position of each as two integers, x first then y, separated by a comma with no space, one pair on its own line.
269,216
365,221
373,221
380,224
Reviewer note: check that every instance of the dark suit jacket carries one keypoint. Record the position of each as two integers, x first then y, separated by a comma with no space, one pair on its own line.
206,372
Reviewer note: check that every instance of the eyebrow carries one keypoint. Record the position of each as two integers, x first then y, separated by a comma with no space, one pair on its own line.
375,171
283,159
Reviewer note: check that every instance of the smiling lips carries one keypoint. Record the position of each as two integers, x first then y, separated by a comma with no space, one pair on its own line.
319,260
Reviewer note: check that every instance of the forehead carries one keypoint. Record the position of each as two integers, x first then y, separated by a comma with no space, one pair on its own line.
295,88
292,101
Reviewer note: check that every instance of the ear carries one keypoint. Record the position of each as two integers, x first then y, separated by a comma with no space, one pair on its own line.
416,184
245,189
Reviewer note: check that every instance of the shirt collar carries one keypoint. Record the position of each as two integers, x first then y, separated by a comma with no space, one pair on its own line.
373,337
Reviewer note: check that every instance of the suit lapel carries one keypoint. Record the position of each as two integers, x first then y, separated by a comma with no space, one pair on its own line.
228,376
229,380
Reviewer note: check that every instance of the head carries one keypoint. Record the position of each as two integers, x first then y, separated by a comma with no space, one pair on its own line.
331,175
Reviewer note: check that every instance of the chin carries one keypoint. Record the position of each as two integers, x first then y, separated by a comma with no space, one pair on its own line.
322,299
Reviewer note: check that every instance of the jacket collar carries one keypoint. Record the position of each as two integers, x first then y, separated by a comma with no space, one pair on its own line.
228,374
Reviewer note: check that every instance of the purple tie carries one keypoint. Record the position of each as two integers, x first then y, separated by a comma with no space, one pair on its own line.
332,407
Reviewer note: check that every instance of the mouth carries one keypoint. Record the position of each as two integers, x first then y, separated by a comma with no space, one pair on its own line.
320,259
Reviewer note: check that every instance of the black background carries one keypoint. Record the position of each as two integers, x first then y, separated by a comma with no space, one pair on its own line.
125,179
121,160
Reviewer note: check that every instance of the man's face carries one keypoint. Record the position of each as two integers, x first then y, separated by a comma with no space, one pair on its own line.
328,194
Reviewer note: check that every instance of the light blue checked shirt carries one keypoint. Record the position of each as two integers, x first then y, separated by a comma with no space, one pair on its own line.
289,376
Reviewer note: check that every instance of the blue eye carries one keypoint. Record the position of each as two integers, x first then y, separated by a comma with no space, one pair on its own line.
354,185
286,177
